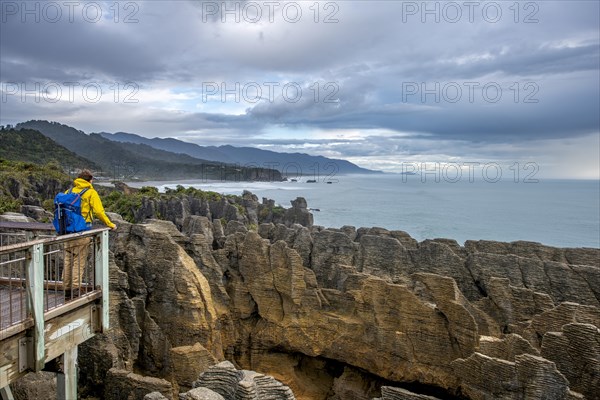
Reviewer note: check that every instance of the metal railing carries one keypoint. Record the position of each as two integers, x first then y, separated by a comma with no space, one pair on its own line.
13,298
70,270
54,296
9,238
21,232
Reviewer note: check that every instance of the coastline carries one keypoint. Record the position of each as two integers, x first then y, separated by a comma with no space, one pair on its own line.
559,213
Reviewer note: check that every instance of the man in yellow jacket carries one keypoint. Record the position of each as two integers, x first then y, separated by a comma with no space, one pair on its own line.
91,205
76,277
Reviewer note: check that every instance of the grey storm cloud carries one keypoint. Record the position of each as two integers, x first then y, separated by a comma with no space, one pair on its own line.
83,50
371,54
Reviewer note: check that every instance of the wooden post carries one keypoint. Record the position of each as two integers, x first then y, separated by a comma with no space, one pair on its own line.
6,394
66,382
102,277
35,303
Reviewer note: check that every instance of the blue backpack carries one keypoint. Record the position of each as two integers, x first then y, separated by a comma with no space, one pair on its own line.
67,213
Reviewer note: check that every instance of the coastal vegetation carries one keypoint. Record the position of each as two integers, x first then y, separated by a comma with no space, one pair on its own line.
128,202
29,184
31,146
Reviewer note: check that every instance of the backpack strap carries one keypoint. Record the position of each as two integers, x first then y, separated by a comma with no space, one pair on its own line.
91,211
78,195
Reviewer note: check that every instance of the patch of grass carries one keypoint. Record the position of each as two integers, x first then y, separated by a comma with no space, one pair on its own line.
20,180
278,211
127,204
10,205
123,204
149,191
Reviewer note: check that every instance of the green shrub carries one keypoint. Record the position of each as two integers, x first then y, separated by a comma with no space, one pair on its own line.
150,191
278,211
8,204
18,178
123,204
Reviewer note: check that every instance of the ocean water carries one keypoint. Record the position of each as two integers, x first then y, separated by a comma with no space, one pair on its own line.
562,213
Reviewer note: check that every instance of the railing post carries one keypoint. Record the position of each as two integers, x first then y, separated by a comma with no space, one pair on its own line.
35,303
66,381
102,276
6,393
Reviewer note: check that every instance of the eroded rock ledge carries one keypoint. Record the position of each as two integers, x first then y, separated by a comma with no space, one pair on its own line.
342,314
350,313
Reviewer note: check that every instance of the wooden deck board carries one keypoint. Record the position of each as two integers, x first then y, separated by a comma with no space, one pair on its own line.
17,297
52,299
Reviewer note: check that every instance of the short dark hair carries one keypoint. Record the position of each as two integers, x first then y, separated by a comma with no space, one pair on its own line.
86,174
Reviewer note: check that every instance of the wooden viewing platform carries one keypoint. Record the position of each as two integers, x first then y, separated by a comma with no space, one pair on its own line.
42,317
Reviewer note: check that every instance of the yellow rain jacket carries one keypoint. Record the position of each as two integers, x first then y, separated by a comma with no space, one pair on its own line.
91,205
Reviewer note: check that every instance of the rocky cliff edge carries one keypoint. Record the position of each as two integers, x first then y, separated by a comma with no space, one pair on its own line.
345,314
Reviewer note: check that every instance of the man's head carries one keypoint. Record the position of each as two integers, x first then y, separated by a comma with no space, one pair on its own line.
86,174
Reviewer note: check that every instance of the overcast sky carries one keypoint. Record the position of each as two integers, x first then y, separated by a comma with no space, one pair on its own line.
380,83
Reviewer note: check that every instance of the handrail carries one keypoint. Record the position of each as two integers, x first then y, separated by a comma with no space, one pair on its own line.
58,270
53,296
56,239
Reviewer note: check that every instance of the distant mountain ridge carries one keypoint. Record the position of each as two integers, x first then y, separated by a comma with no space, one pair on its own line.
290,164
30,145
123,160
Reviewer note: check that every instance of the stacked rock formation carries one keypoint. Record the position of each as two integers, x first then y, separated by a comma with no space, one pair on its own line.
342,313
334,313
224,381
230,383
177,209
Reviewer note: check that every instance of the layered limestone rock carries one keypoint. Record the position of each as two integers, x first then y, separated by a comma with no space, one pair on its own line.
355,384
122,384
155,396
189,362
298,213
370,309
366,322
576,352
246,210
160,303
201,394
15,217
528,377
37,213
171,296
230,383
374,300
392,393
40,386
